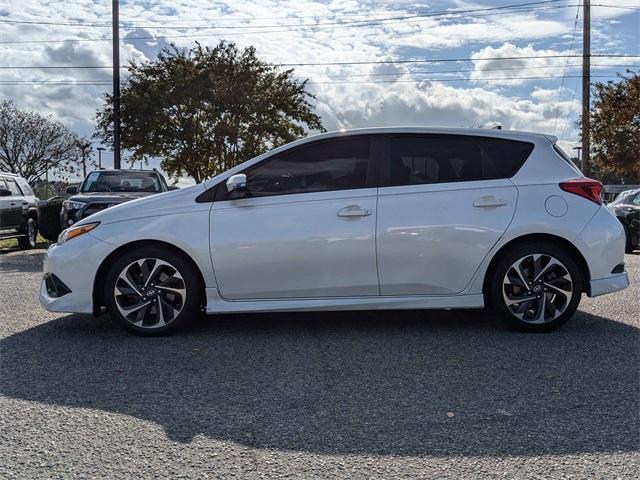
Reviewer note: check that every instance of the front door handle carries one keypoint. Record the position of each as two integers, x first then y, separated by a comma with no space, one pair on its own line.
489,201
354,211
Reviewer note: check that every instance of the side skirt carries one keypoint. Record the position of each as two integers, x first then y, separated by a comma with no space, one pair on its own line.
216,304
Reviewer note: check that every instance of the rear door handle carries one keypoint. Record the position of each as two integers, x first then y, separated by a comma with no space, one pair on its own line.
489,201
354,211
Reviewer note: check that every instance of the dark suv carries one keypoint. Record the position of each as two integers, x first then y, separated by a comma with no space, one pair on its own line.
18,210
105,188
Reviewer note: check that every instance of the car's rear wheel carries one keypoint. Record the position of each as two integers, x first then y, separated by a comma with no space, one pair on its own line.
153,291
28,241
535,287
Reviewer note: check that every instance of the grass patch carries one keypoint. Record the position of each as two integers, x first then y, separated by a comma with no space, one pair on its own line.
13,243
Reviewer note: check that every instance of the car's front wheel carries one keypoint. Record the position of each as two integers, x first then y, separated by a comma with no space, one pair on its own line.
535,287
29,240
153,291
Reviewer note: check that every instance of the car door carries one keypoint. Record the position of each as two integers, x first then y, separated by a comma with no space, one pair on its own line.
308,228
14,205
5,207
444,202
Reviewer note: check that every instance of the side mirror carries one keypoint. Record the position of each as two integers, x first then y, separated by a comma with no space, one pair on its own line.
173,187
235,182
72,190
5,192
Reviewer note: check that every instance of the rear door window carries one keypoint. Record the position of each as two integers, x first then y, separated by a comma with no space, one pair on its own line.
426,159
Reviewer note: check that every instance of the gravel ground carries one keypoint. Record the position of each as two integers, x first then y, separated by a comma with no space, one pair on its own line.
332,395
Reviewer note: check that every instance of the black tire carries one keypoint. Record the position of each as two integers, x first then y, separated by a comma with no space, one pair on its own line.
499,284
29,240
190,305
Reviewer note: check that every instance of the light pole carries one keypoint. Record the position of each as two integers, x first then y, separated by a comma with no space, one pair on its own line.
579,149
100,150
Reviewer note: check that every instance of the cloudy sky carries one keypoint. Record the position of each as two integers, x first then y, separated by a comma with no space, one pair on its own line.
370,63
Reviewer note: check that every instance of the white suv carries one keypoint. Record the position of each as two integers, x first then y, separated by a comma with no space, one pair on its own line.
385,218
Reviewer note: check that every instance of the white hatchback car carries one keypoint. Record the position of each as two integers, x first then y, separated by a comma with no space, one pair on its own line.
385,218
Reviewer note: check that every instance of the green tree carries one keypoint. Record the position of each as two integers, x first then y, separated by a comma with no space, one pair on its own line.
615,129
205,110
32,144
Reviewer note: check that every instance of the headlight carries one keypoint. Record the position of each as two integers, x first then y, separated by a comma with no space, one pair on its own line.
71,205
73,232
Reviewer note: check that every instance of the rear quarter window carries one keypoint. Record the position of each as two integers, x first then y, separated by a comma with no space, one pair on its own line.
503,158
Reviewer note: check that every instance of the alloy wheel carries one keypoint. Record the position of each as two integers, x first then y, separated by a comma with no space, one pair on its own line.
537,288
150,293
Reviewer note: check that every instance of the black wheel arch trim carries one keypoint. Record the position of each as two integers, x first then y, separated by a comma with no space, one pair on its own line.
101,272
570,248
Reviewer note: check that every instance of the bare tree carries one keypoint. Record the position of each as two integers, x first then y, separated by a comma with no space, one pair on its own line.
32,144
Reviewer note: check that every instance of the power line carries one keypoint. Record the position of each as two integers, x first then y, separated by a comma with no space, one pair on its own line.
494,79
564,73
359,82
422,72
395,17
292,29
134,24
364,62
416,72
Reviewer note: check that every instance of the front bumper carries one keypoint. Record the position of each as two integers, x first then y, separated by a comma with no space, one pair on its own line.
75,264
610,284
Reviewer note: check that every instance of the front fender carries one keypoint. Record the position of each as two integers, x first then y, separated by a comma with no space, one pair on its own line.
188,231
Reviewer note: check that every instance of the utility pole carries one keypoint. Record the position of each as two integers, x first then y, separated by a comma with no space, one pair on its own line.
100,150
116,84
586,86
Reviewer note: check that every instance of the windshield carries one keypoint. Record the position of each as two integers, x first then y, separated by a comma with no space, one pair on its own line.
119,181
625,197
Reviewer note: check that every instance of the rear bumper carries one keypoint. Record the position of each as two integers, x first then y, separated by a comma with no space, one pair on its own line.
610,284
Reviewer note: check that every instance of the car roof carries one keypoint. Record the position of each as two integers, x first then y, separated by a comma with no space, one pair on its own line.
127,170
482,132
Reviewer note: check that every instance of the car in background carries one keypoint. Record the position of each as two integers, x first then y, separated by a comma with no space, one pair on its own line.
627,208
102,189
18,211
381,218
611,192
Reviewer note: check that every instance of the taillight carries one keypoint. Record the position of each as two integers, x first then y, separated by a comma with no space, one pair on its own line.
585,187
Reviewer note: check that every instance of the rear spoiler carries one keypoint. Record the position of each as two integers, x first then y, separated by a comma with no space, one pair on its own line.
552,138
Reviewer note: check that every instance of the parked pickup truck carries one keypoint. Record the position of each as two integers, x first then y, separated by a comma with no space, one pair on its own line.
102,189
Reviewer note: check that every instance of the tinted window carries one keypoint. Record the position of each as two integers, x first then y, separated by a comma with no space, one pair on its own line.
121,181
13,186
415,160
433,159
338,164
503,158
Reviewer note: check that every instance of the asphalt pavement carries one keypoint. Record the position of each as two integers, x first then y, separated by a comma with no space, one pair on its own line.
417,394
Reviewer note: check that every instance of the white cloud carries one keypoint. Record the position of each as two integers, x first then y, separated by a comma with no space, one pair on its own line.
514,103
